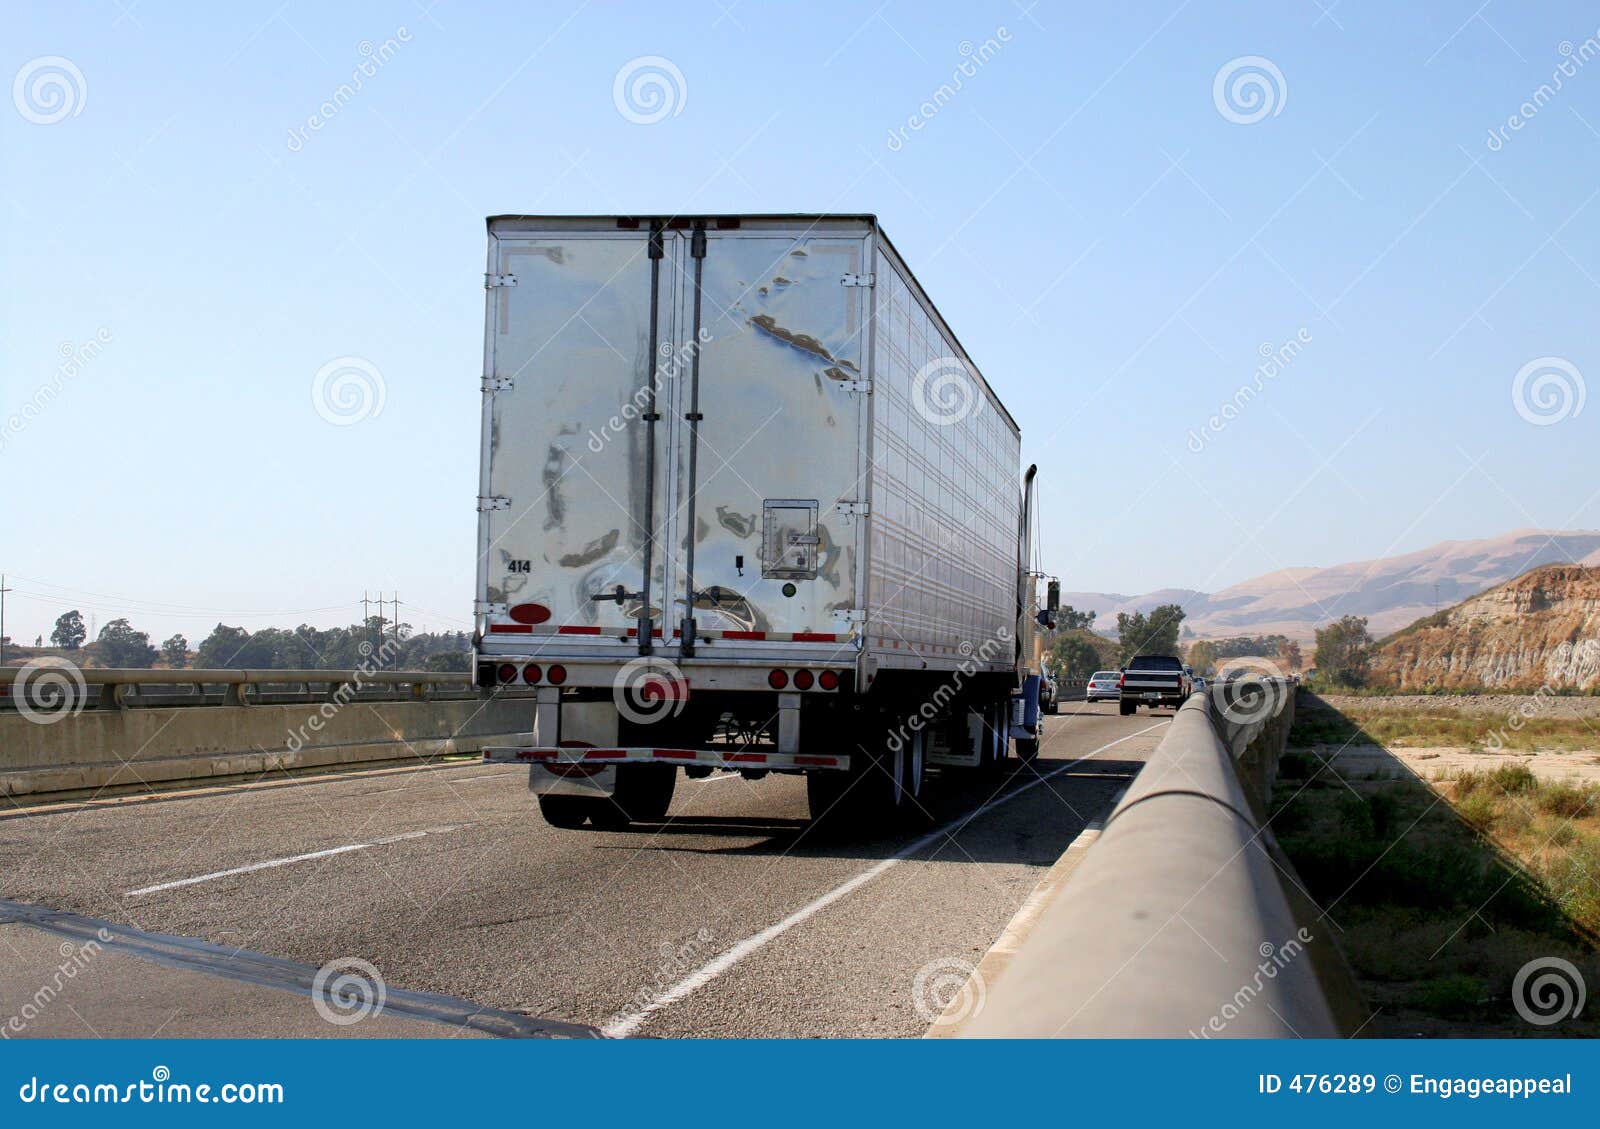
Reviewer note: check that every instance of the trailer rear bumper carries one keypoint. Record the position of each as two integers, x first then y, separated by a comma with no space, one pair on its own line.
575,762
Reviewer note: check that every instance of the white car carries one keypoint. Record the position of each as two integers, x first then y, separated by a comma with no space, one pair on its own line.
1104,686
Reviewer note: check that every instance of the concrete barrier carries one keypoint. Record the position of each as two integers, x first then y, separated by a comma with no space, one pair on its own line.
1184,919
120,748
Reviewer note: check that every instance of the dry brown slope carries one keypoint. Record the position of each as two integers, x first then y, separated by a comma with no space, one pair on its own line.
1540,629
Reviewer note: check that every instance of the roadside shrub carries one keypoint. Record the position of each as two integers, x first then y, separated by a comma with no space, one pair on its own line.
1569,801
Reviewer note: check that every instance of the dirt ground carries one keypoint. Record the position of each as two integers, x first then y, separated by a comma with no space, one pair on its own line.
1487,705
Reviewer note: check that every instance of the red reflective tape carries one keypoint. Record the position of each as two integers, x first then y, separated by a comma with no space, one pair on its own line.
580,630
675,754
604,754
814,637
745,758
817,760
633,632
744,634
511,628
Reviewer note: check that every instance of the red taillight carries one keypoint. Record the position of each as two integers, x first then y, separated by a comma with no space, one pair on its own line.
777,679
803,680
828,680
1122,680
531,673
557,674
506,672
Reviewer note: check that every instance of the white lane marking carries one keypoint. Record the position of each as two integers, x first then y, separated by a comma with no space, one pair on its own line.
717,777
625,1024
270,863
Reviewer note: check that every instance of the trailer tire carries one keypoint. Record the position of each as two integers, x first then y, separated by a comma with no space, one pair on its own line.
566,812
644,792
1027,749
1127,708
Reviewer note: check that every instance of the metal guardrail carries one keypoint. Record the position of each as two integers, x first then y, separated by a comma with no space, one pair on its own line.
1179,920
123,687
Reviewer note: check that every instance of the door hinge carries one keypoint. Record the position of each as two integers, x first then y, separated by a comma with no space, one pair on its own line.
494,502
485,607
850,615
864,386
858,280
853,509
498,384
490,281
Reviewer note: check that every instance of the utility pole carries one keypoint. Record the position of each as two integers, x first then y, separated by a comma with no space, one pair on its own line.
3,591
397,617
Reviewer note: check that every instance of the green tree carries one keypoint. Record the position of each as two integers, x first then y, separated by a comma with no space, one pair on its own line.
1289,658
176,652
1344,651
1202,656
119,645
1074,655
69,631
1153,634
1069,618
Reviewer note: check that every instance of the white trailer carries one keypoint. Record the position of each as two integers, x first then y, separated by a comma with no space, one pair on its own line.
745,503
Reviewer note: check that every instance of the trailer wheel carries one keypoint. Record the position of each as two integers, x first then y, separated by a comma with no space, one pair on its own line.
916,768
826,795
644,792
1127,708
567,812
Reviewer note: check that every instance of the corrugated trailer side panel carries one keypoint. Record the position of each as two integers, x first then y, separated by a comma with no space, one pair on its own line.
946,502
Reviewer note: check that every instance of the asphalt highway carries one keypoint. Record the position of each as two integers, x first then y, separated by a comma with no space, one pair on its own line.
220,906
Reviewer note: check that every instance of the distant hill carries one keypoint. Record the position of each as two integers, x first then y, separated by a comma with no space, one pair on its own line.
1540,629
1391,591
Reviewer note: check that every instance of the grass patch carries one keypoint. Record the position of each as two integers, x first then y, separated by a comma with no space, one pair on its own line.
1443,725
1443,896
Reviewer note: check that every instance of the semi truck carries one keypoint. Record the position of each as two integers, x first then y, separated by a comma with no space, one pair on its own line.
745,504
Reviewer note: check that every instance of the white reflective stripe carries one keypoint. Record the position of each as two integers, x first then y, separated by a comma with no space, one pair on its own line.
599,758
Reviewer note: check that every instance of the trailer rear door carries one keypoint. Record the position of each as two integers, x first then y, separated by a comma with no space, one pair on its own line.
769,462
575,498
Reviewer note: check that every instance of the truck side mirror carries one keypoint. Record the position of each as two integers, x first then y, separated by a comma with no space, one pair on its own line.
1053,596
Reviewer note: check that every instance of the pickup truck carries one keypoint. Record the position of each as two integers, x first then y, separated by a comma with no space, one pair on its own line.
1154,680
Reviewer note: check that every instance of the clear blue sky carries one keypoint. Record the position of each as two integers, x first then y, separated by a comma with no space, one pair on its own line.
1112,248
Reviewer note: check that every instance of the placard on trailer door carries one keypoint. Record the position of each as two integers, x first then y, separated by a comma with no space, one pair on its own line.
781,403
568,515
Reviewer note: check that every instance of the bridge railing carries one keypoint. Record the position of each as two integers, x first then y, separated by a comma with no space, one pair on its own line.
1183,917
46,686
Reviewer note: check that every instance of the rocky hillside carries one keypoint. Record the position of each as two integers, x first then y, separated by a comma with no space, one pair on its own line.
1540,629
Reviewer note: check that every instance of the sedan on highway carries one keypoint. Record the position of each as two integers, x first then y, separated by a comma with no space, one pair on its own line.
1103,686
